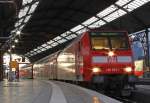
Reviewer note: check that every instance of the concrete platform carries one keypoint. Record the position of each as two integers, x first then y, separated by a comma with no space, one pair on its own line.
141,94
33,91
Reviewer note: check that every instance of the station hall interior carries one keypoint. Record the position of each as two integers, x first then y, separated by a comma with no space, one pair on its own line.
74,51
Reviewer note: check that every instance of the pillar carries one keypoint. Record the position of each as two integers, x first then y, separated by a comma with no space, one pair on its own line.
1,65
147,52
32,75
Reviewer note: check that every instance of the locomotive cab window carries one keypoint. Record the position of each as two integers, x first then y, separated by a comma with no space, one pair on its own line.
99,43
109,40
119,42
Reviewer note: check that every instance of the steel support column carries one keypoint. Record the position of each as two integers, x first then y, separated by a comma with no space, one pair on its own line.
32,75
1,65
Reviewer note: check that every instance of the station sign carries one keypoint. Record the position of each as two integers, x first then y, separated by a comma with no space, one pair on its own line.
14,64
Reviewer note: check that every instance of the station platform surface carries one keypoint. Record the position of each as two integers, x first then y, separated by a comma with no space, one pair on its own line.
35,91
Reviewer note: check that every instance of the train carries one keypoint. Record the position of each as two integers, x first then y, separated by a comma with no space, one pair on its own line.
25,72
97,56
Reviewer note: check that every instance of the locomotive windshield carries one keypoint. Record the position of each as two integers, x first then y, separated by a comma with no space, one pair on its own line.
109,40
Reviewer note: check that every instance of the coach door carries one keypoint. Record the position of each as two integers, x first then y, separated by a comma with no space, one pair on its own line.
78,48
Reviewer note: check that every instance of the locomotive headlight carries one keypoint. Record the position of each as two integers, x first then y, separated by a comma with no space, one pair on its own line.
110,53
96,69
128,69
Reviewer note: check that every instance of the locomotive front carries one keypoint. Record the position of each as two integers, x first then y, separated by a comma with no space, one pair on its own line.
111,58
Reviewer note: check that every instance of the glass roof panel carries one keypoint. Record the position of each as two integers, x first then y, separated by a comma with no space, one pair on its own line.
97,24
81,31
49,42
26,1
65,34
17,24
38,51
89,21
20,21
21,13
62,41
48,47
122,2
21,27
43,49
27,18
35,49
39,47
115,15
57,38
31,52
34,53
107,11
77,28
71,36
135,4
54,44
44,45
33,7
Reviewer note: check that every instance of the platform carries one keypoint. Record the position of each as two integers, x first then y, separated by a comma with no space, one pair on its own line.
33,91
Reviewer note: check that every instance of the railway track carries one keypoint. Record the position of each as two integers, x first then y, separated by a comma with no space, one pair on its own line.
120,98
131,99
124,100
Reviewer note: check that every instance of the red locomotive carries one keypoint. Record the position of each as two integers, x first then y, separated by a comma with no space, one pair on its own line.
96,56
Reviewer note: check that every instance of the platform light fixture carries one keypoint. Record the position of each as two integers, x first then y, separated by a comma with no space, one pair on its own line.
16,40
18,32
13,46
132,36
9,50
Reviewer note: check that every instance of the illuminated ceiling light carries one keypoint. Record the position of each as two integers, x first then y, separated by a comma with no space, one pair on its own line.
13,46
9,50
18,32
16,40
132,36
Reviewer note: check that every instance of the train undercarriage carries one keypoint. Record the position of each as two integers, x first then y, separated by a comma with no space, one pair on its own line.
117,84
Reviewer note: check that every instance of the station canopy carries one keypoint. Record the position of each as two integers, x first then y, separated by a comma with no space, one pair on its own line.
49,25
